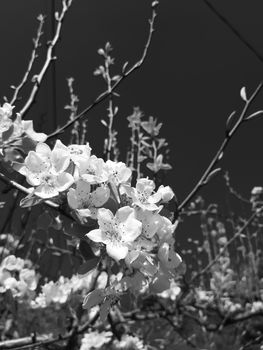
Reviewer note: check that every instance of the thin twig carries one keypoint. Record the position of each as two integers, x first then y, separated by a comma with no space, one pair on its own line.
234,30
49,58
219,154
36,45
108,93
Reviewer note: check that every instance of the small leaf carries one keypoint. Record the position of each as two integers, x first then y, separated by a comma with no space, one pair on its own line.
212,175
155,4
30,201
103,122
221,155
88,266
101,52
85,250
93,298
124,66
116,78
6,135
230,122
243,94
104,310
254,115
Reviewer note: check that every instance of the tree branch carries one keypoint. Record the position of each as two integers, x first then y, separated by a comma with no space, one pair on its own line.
234,30
124,75
44,340
219,154
36,45
236,235
49,58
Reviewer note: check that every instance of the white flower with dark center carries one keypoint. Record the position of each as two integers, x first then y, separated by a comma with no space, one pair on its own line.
45,170
92,170
116,232
143,194
118,172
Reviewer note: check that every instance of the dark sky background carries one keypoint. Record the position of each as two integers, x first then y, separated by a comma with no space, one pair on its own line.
190,81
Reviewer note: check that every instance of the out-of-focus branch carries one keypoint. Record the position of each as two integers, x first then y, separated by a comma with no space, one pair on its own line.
222,251
44,340
233,191
234,30
219,154
37,79
124,75
36,45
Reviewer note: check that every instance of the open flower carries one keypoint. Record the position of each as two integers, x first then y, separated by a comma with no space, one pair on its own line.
92,169
45,170
116,232
118,172
86,202
143,195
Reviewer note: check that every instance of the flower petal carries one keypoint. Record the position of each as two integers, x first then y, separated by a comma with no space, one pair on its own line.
73,199
123,213
46,191
132,229
60,157
105,219
43,150
116,251
64,181
97,236
100,196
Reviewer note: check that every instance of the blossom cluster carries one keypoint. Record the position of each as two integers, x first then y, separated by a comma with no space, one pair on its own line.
59,291
129,225
100,340
16,133
18,276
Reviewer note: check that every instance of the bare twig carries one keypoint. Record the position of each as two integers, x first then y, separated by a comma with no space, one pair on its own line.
124,75
219,154
234,30
36,45
49,58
